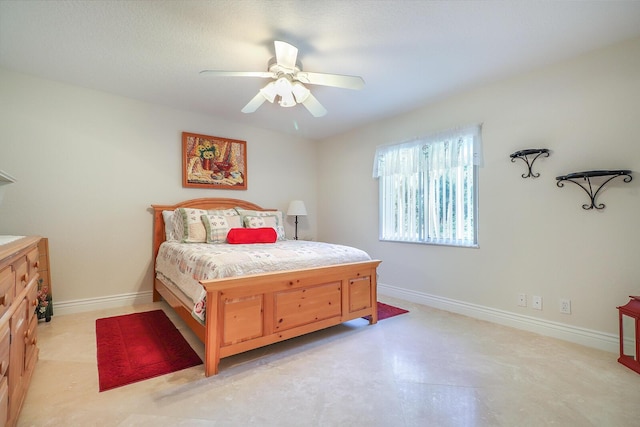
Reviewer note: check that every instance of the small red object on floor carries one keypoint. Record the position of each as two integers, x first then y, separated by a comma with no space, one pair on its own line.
630,310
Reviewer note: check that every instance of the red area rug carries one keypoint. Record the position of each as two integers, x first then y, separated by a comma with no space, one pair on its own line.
385,311
140,346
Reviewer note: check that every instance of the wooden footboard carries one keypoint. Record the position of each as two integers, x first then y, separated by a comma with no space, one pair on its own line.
248,312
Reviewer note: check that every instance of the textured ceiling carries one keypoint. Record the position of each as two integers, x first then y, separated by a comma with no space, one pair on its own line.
409,53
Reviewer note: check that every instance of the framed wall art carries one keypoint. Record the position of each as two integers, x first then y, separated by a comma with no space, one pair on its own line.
213,162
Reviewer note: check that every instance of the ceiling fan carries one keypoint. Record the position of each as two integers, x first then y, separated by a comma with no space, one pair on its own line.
288,82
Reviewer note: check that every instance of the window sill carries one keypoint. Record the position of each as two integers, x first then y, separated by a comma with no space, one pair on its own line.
433,243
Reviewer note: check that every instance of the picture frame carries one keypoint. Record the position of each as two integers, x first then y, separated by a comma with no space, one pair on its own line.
213,162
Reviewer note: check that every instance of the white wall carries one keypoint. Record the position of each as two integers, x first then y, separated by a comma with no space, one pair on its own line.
534,237
89,165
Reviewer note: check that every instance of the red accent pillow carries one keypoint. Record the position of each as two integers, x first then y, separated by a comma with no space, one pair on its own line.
252,235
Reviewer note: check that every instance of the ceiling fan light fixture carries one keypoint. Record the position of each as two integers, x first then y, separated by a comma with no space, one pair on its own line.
283,86
288,85
269,92
300,92
286,100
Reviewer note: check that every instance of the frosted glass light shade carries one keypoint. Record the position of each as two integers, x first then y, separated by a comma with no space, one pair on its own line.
269,92
300,92
287,100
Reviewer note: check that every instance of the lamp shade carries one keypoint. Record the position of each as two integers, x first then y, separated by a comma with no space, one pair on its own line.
297,208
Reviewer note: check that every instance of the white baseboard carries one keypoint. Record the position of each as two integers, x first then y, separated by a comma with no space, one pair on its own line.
91,304
586,337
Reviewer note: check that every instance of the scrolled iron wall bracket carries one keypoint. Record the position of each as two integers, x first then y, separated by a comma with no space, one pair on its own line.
586,177
523,155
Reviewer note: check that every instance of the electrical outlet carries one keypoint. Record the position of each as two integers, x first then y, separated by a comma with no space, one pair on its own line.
536,302
565,305
522,300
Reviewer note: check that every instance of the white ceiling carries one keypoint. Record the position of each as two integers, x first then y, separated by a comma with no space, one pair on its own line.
409,53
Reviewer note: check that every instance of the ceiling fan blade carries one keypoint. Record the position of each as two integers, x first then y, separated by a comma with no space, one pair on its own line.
220,73
313,105
254,104
334,80
286,55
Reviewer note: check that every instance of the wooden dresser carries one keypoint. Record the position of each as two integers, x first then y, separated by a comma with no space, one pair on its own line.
18,323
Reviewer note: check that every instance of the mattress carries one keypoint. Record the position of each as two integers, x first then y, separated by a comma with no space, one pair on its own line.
185,264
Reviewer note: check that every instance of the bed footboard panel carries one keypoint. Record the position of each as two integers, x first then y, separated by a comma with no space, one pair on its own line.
249,312
242,319
302,306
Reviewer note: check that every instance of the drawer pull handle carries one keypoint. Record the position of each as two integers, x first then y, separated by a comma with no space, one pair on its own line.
25,277
35,302
36,264
3,299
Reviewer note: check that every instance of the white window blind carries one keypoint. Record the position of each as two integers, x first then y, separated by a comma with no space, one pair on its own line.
428,188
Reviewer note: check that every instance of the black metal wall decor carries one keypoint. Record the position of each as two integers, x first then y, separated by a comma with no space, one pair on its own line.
523,155
586,177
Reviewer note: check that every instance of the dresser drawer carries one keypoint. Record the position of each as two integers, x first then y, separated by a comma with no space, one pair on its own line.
31,344
17,358
33,258
32,302
22,273
4,351
7,288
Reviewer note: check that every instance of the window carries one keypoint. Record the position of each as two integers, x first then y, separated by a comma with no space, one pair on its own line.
429,188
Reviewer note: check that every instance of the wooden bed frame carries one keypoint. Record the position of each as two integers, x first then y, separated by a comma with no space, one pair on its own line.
248,312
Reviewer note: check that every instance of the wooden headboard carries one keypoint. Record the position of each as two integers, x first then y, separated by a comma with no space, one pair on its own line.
204,203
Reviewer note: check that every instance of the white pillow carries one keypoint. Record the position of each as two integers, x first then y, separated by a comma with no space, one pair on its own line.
218,226
188,226
169,235
254,221
279,217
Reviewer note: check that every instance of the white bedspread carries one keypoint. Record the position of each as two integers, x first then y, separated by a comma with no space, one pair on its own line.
185,264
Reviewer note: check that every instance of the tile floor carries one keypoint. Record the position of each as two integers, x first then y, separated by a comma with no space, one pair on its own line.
425,368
